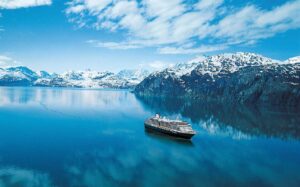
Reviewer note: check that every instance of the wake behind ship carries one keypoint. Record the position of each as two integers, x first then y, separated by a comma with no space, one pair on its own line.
175,128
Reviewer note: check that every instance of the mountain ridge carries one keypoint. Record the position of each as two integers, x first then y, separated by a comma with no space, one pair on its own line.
235,77
197,78
23,76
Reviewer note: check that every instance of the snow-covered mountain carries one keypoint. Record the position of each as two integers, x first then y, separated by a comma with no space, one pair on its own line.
292,60
45,74
201,77
106,79
213,65
23,76
15,76
134,76
230,62
185,68
236,77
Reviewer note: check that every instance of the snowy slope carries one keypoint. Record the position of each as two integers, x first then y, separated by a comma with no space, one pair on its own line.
235,77
23,76
213,65
94,79
230,63
134,76
293,60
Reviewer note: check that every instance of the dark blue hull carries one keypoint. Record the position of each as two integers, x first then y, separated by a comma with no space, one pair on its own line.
170,133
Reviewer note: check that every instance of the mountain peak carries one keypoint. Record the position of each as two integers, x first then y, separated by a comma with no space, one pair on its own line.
229,62
133,75
242,58
293,60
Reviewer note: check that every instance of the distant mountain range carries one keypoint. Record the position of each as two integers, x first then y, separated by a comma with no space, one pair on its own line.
23,76
238,77
233,77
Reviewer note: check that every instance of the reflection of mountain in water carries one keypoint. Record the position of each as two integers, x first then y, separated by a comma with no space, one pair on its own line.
68,98
251,120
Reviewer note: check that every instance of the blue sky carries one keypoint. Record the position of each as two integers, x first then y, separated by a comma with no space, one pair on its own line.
57,35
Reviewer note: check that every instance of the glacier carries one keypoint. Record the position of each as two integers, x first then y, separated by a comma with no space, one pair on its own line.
23,76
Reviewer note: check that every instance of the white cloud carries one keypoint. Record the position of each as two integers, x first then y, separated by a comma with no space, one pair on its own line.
150,22
75,9
7,62
251,23
113,45
163,9
169,25
13,4
208,4
182,50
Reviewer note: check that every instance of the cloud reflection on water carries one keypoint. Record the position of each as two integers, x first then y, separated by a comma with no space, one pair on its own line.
209,163
11,176
109,147
66,101
64,97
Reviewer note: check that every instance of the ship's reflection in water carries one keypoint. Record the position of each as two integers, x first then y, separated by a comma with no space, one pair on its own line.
71,137
167,139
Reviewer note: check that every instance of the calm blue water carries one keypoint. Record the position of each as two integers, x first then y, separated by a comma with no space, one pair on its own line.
73,137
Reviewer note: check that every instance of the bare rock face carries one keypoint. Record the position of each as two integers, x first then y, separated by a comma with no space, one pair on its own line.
235,78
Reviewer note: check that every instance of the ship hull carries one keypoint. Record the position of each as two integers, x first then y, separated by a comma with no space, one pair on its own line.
170,133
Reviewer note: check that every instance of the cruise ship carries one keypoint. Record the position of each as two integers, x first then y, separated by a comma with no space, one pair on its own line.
175,128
